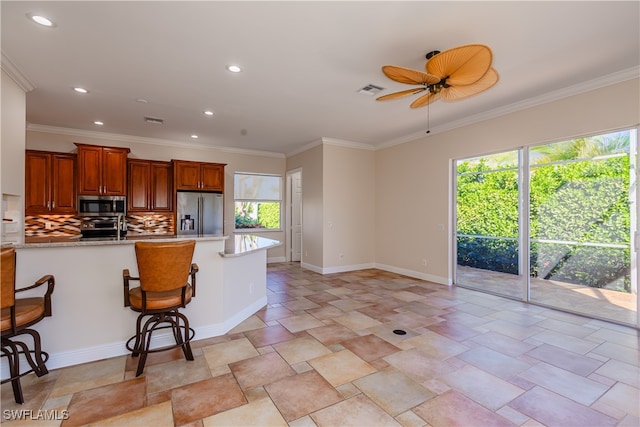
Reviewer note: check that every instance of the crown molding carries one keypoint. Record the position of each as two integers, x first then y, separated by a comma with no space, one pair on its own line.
16,75
304,148
347,144
598,83
143,140
334,142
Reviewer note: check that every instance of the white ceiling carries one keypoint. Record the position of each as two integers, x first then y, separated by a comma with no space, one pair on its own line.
304,63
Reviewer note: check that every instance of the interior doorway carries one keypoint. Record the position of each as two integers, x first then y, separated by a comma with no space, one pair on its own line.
294,216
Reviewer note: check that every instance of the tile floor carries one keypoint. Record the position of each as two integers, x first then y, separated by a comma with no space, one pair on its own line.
606,304
324,352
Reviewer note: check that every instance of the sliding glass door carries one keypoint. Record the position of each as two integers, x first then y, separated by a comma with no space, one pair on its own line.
581,194
553,224
487,217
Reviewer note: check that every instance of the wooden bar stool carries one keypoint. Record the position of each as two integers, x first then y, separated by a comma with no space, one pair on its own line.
164,271
17,315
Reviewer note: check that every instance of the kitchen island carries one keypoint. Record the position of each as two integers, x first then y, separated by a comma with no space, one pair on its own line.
89,320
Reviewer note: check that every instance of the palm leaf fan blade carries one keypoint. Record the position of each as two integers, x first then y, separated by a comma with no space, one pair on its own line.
408,75
455,93
425,100
400,94
462,65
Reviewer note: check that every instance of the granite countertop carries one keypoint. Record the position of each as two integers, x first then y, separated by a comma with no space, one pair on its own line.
238,245
62,241
242,244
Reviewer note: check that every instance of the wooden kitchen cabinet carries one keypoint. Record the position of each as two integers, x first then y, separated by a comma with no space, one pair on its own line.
198,176
50,184
150,186
102,171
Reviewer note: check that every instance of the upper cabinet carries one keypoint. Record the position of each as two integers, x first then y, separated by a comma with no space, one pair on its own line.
50,186
150,187
198,176
102,171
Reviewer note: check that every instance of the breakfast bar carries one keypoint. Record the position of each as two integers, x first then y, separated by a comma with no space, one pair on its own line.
89,319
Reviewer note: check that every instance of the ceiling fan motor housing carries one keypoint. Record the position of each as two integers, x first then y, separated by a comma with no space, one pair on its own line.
431,54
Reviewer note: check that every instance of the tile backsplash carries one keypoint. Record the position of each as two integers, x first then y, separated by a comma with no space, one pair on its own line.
69,225
150,224
51,225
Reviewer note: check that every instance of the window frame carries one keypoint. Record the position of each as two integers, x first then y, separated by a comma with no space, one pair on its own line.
257,201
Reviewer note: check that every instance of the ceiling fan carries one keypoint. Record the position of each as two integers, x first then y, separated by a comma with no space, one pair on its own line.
451,75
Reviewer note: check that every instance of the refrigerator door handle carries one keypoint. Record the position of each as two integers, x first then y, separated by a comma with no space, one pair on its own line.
199,231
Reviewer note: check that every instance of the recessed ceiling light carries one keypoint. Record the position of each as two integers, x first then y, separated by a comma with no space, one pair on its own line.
98,123
80,90
194,136
234,68
208,113
142,100
41,20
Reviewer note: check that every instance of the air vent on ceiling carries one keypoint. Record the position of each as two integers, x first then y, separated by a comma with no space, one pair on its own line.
371,90
154,120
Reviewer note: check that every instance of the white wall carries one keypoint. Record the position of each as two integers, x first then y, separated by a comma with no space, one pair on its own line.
12,143
311,162
412,179
348,208
63,141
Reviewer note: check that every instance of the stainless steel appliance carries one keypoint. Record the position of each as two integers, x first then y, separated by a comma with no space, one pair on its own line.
102,205
199,213
109,226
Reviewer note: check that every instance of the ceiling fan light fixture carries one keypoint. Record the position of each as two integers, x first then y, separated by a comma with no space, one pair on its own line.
431,54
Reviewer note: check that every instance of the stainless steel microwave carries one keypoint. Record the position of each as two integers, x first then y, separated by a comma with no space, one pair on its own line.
102,205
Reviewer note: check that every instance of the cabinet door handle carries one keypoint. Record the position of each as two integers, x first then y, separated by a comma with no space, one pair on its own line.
49,205
53,205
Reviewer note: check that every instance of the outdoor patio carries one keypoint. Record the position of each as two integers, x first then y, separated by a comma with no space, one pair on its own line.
616,306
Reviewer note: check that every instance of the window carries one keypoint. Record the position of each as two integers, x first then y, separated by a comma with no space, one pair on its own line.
258,200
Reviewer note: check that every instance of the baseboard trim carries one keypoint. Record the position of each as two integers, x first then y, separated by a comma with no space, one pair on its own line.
415,274
390,268
91,354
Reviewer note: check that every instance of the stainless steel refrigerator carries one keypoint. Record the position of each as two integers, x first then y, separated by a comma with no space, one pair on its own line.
200,213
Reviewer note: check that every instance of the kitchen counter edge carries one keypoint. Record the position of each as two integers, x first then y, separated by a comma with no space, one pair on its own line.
112,241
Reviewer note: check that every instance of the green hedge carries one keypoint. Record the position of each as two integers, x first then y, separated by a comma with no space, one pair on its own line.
584,202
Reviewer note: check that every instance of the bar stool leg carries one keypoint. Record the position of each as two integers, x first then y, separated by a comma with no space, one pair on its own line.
12,353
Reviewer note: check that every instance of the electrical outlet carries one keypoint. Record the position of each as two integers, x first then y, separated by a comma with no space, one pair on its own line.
48,225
